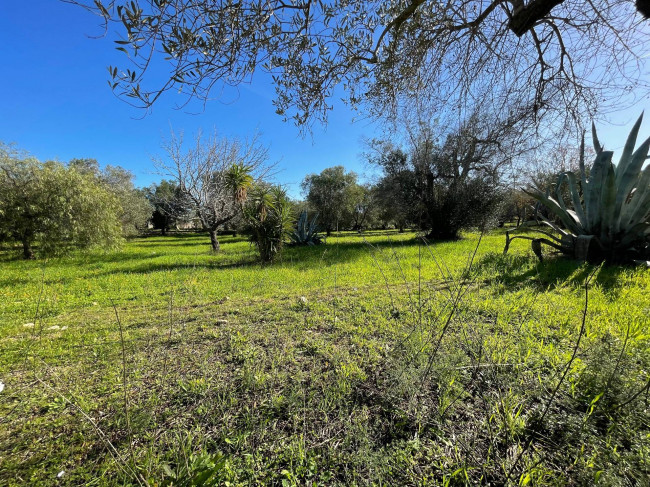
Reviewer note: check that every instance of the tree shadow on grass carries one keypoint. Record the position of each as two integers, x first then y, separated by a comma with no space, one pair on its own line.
310,256
185,240
517,270
153,267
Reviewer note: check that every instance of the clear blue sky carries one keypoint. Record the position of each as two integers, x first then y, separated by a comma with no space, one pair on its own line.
56,104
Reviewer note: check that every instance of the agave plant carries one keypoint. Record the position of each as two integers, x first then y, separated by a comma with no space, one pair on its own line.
306,232
609,214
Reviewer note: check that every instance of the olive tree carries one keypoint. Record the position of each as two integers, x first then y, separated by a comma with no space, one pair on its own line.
136,211
170,204
215,174
332,195
396,191
447,180
551,56
54,207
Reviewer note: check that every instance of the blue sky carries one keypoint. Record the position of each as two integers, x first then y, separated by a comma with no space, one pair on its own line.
56,104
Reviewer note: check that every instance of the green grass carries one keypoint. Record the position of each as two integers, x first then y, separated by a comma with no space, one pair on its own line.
373,359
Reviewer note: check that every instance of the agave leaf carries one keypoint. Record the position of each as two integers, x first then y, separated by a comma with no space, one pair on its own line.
582,245
636,197
628,175
558,191
597,147
569,220
549,223
575,198
607,201
313,226
593,195
636,233
642,212
626,157
574,216
583,172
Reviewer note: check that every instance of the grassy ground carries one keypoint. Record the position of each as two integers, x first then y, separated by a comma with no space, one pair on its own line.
370,360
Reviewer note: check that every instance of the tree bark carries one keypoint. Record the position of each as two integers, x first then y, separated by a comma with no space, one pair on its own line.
28,253
214,241
525,17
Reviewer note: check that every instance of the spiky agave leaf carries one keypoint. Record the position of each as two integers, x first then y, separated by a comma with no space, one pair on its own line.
575,197
628,171
614,212
306,232
593,195
570,221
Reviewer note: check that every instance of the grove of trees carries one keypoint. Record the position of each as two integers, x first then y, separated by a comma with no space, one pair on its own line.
54,207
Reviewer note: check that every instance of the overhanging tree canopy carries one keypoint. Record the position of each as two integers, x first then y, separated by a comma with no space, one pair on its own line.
551,55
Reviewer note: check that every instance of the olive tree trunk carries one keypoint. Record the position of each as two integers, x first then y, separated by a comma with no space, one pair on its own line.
28,252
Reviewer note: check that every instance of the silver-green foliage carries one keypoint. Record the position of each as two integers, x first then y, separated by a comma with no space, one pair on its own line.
54,207
306,232
610,204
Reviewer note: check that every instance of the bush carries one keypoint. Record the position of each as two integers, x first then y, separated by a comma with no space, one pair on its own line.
268,218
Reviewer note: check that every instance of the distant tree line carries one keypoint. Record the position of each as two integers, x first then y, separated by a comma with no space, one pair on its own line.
440,184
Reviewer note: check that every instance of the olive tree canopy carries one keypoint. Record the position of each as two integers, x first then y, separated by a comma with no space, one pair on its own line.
54,207
560,56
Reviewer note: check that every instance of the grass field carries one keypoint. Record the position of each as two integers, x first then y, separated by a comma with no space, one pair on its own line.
372,360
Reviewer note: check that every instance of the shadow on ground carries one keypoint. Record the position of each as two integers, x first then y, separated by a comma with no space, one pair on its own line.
555,271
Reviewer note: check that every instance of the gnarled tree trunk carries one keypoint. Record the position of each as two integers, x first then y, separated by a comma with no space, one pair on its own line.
214,241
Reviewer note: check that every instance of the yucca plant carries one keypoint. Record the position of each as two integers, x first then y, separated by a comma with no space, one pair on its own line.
239,180
268,216
609,214
306,232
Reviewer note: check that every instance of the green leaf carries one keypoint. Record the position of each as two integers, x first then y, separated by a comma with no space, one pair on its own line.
575,198
608,204
593,195
629,177
567,219
597,147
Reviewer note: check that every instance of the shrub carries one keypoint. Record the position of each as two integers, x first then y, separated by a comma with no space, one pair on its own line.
268,216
